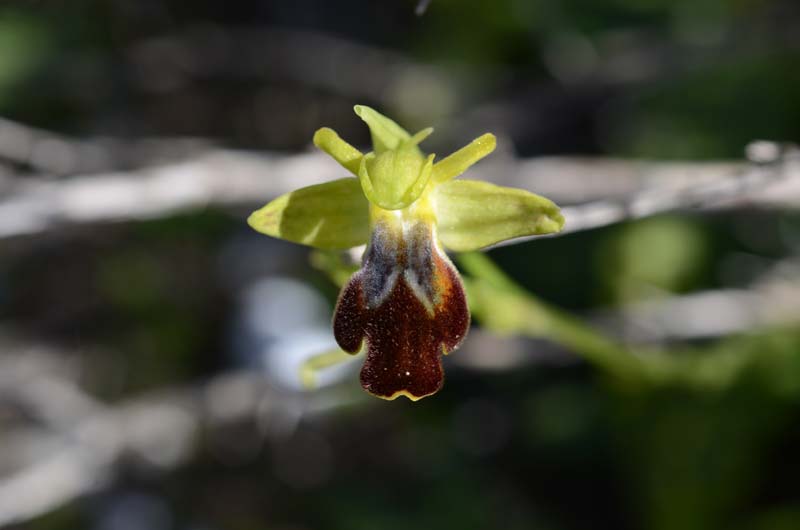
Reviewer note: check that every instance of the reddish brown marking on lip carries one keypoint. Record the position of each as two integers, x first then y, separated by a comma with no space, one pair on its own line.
404,340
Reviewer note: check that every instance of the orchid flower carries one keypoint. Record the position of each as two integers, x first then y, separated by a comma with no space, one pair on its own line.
405,305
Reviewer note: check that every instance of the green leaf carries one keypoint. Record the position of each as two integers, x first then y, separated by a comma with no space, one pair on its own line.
386,134
455,164
333,215
472,214
348,156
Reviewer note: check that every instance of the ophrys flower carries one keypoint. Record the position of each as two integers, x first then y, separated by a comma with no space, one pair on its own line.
406,304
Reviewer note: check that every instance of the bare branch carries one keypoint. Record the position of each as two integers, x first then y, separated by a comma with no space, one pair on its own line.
83,440
773,301
221,178
607,190
637,190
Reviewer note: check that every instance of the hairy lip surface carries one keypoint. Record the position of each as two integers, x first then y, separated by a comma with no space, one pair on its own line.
407,303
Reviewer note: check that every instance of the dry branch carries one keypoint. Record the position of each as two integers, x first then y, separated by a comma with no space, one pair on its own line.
597,192
77,442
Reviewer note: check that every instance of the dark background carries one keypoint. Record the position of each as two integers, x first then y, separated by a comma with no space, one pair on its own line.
532,438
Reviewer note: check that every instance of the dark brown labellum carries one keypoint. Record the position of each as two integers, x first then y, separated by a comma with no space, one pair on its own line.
408,304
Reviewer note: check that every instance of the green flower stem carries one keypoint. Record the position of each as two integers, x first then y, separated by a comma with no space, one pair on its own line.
502,306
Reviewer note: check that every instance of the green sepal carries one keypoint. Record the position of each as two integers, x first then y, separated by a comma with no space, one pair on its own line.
395,179
386,134
333,215
452,166
473,214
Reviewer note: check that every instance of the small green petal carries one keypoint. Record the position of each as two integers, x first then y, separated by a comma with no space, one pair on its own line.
394,179
333,215
348,156
420,136
386,134
455,164
472,214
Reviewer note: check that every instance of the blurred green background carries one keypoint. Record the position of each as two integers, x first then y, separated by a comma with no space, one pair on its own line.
554,418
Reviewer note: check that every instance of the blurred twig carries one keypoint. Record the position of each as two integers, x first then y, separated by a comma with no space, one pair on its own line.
46,153
79,441
422,6
771,178
609,191
772,300
221,178
312,58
